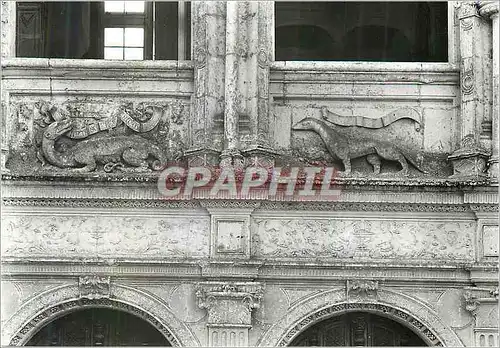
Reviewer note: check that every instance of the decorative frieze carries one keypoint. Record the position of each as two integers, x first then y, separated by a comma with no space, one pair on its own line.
329,238
94,287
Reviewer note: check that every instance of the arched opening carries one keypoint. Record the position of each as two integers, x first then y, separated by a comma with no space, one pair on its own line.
98,327
358,329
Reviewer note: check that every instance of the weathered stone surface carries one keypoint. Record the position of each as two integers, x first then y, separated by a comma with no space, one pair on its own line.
342,238
72,236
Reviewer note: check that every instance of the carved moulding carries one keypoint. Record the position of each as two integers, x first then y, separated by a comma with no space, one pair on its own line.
50,304
63,308
400,307
385,310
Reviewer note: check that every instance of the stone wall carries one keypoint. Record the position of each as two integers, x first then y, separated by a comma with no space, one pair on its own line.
420,247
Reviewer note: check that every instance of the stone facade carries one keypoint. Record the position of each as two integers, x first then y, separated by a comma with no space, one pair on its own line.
421,247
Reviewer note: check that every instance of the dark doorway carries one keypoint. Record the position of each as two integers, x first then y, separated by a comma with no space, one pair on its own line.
360,330
98,327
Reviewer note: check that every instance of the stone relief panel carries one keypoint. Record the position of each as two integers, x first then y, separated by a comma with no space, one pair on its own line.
103,135
417,135
380,239
104,236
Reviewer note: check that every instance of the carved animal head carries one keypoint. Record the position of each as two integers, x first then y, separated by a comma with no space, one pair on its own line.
307,123
58,128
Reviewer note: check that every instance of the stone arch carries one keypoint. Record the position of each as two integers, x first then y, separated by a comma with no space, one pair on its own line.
56,302
399,307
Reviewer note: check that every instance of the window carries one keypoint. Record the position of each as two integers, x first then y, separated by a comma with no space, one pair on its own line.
370,31
121,30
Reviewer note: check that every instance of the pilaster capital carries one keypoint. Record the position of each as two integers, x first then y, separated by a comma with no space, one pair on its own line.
475,296
229,303
468,9
488,9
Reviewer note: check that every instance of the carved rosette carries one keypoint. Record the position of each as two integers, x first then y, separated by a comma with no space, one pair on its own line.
361,289
229,303
94,287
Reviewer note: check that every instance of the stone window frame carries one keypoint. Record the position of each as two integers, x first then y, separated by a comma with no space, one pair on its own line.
184,32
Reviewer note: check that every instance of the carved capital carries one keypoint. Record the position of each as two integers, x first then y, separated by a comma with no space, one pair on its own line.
358,289
229,304
488,9
467,9
475,296
94,287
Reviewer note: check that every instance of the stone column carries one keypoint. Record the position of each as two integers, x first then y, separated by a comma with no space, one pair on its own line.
229,307
209,42
469,161
233,74
489,10
259,24
248,53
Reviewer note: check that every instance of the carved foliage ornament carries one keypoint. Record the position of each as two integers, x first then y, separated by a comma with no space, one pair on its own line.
94,287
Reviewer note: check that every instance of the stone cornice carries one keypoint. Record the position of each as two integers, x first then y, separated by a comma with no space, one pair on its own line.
306,271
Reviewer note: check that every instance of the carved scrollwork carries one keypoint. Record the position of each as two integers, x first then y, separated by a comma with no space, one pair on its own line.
468,80
200,57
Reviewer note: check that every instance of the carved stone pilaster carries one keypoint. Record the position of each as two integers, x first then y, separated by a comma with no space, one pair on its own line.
480,302
489,10
361,289
469,160
229,307
8,14
94,287
209,30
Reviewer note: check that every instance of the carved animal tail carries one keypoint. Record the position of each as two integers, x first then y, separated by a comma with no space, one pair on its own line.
160,161
413,162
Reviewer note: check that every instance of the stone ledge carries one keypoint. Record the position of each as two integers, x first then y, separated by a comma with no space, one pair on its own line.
83,64
382,67
402,272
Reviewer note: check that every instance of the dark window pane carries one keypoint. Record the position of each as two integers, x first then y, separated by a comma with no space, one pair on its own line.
372,31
